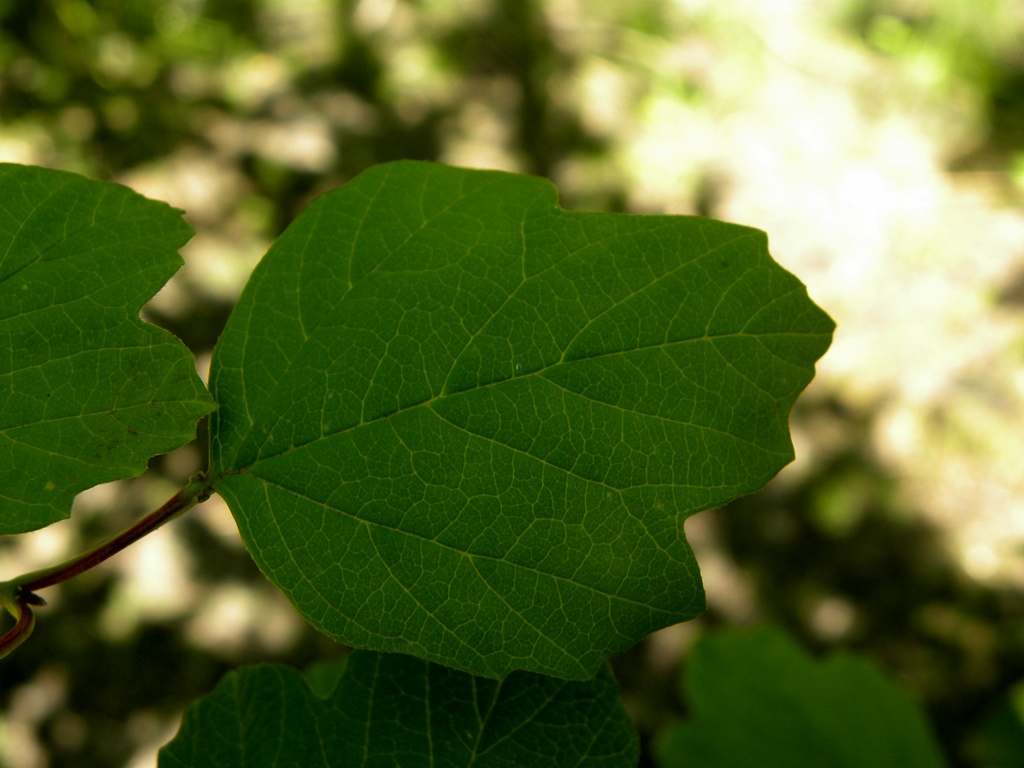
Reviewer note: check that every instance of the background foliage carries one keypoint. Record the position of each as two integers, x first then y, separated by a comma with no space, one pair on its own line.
879,142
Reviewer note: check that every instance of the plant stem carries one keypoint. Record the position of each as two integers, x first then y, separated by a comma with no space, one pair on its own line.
20,632
17,595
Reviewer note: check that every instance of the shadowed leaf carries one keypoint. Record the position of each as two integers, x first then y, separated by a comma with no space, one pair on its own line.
760,700
388,710
460,422
88,392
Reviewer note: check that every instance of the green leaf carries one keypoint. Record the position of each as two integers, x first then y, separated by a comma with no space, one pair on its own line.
998,742
322,677
387,710
760,700
88,392
460,422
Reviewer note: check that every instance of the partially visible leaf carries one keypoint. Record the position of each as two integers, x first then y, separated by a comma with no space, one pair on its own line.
88,392
998,742
760,700
391,710
460,422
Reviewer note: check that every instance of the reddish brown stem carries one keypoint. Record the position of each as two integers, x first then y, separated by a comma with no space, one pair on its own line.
173,507
18,595
20,631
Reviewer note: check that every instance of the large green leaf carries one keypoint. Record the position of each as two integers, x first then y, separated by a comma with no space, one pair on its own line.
88,392
390,710
460,422
760,700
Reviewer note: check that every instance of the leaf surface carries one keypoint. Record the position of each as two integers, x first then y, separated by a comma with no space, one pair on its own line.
388,710
998,741
461,422
760,700
88,392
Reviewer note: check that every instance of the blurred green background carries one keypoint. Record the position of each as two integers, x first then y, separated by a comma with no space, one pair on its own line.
880,143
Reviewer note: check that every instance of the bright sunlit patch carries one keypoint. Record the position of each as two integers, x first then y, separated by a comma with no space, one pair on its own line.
372,15
216,516
252,80
155,584
832,618
666,646
304,144
233,616
481,140
980,561
30,705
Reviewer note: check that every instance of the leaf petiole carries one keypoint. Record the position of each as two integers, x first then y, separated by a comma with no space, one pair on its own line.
18,595
26,622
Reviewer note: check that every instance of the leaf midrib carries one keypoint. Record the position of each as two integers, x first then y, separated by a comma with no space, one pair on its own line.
428,402
655,279
424,224
463,553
